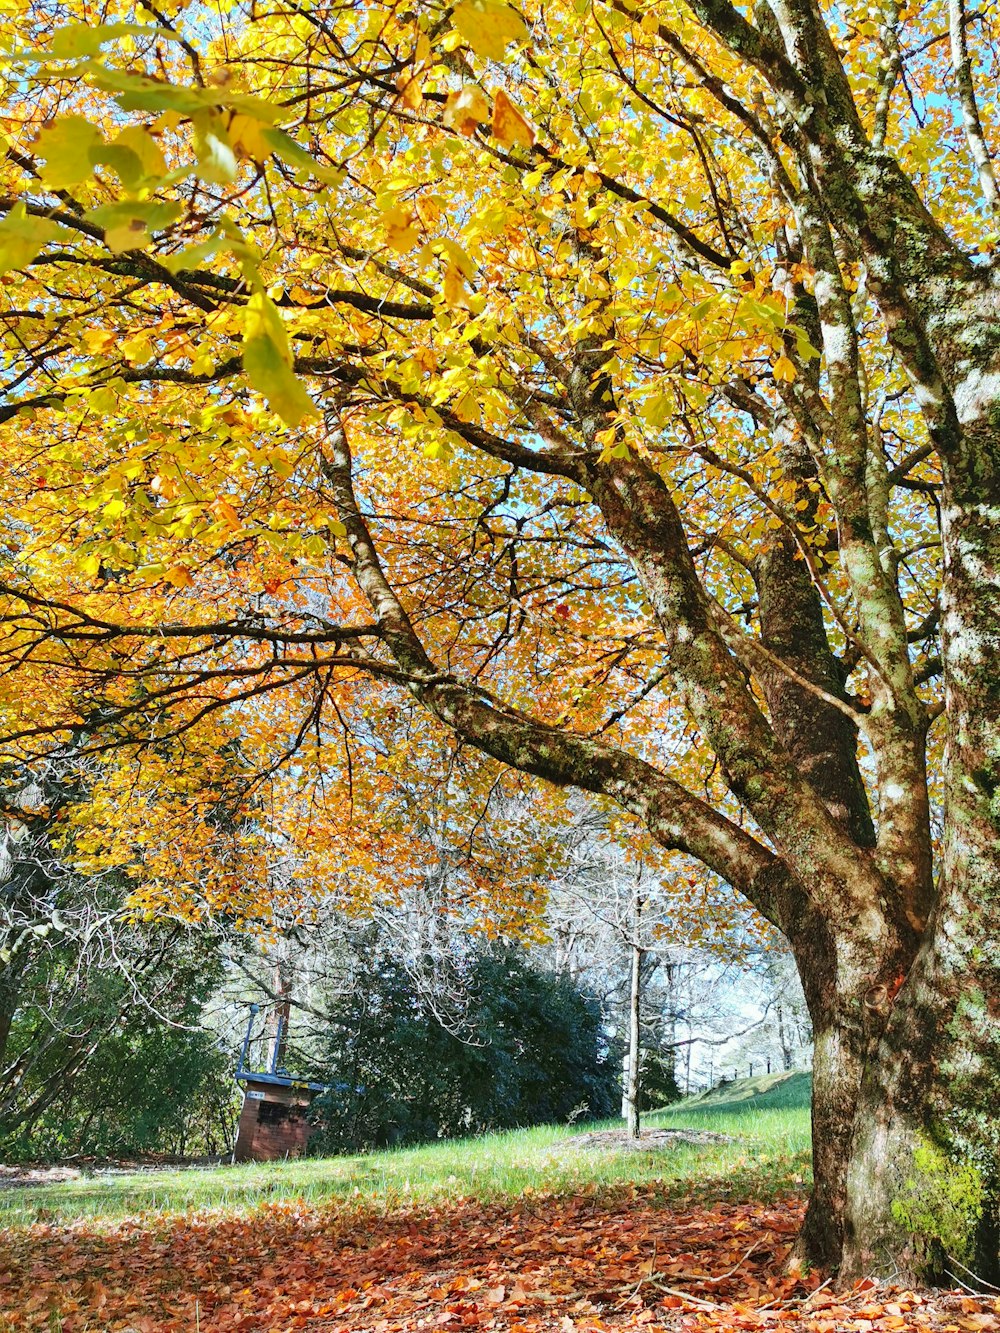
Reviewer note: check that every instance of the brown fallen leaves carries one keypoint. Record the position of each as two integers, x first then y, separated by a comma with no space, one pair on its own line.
546,1265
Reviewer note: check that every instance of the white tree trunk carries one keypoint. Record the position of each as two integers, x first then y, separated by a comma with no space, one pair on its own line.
631,1099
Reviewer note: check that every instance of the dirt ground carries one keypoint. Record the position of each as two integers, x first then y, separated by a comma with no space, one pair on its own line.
20,1177
616,1140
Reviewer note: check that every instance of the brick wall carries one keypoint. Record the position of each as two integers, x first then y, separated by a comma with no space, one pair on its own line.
273,1126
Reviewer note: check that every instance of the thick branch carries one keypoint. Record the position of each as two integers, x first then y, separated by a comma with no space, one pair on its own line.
971,122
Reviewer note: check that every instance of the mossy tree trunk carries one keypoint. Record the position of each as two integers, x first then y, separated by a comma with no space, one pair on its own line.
925,1168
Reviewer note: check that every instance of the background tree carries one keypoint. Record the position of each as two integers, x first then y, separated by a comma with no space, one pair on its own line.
530,1050
103,1047
651,446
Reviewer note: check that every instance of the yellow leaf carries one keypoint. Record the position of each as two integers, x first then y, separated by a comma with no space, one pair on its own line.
165,486
466,408
226,514
245,135
216,158
457,256
399,229
99,340
22,237
137,349
129,235
455,295
656,410
488,26
784,370
268,362
141,144
179,576
411,89
509,125
465,109
65,144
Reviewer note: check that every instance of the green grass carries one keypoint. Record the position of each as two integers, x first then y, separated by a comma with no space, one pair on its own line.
772,1092
768,1157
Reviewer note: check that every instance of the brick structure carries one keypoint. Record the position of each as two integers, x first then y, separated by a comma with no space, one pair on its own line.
273,1122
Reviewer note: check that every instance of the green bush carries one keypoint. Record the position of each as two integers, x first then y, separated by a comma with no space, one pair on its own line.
526,1047
108,1060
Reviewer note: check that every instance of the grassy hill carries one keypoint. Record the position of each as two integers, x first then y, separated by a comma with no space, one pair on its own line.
785,1092
766,1155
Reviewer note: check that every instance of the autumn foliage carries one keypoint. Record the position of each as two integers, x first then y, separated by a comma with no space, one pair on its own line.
619,383
545,1265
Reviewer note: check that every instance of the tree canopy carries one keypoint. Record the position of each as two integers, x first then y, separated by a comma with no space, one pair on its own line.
619,381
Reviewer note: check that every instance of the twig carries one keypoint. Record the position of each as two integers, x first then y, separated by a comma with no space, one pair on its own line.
722,1276
794,1300
806,1299
972,1273
686,1296
638,1286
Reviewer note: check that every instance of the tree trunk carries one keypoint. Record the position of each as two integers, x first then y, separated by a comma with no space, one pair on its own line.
922,1183
784,1040
631,1100
922,1178
836,973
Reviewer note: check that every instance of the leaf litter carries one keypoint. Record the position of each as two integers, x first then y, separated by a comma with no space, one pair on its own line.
611,1260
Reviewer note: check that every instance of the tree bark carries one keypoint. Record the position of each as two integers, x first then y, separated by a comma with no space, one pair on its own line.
631,1099
923,1178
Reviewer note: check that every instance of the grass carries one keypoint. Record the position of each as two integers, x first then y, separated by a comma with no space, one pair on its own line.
767,1119
771,1092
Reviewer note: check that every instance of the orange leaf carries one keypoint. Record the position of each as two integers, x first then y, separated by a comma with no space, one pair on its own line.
179,576
455,295
509,125
465,109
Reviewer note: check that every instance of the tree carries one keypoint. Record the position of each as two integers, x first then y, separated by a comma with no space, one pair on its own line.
101,1007
103,1050
615,918
511,1043
640,398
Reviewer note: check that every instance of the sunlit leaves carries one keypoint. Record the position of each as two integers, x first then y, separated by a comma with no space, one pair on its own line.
400,233
267,360
509,125
489,26
216,158
285,147
178,576
22,237
134,155
784,369
466,109
85,39
130,224
65,146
